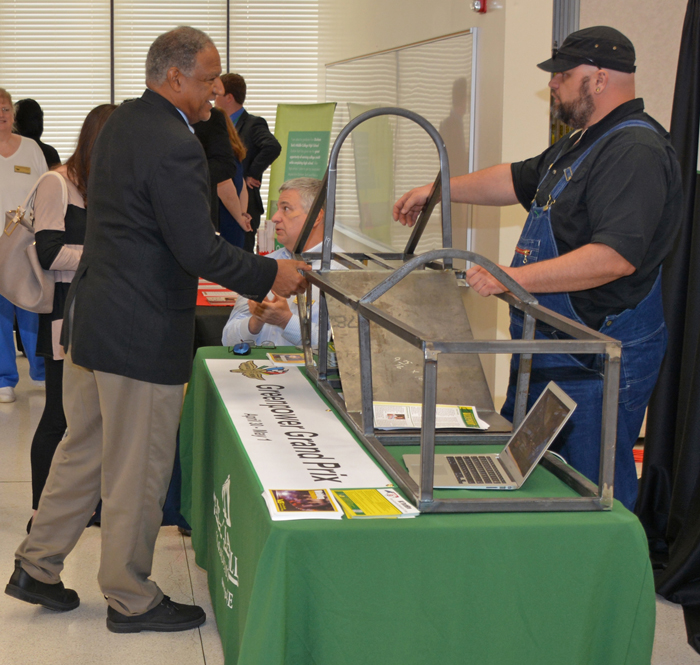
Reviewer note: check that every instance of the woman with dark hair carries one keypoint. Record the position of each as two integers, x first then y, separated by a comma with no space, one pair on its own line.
229,198
59,245
29,122
232,226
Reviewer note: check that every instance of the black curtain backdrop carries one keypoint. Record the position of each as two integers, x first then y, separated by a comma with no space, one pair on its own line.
669,498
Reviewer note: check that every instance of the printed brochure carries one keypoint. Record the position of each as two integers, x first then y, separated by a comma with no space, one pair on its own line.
374,503
286,358
388,415
301,504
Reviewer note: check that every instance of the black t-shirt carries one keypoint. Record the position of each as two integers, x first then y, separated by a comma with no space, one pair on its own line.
625,194
50,154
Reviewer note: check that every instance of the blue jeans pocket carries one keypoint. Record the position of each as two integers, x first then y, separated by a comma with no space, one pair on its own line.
557,366
641,361
526,251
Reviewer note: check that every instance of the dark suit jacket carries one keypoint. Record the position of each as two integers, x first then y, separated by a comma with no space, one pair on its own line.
263,149
221,159
149,236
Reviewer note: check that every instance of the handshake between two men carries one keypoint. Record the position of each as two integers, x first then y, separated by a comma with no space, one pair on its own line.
290,278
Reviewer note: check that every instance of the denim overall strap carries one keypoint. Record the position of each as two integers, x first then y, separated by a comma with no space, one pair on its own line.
537,242
642,331
570,170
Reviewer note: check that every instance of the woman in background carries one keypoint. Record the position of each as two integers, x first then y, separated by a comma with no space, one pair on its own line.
59,245
229,198
21,165
29,122
234,226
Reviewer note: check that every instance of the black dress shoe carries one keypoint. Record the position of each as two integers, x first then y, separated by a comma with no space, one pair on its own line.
51,596
166,617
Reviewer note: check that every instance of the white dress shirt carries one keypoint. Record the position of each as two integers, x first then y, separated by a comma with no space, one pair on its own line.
236,329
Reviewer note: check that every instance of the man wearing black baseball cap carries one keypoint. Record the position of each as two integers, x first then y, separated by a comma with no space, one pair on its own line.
604,207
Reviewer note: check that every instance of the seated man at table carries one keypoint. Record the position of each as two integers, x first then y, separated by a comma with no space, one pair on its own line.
276,319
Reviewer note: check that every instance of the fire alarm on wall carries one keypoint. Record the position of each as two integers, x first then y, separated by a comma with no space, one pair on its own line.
479,6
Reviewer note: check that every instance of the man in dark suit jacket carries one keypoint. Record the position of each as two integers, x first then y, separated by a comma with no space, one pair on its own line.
149,237
263,148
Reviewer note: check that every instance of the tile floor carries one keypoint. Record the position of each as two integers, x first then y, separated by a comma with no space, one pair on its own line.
30,635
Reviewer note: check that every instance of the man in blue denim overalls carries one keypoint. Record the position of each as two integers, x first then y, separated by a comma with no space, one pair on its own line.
604,206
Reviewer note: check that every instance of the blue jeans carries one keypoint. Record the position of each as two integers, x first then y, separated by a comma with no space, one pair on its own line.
581,377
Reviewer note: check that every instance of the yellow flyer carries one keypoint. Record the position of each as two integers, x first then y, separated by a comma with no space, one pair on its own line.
370,503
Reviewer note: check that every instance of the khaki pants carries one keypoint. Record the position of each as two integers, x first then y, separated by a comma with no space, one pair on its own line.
120,447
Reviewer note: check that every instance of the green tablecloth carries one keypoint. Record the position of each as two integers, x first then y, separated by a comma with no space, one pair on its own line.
508,588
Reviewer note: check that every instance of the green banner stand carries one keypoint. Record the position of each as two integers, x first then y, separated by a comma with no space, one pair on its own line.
304,132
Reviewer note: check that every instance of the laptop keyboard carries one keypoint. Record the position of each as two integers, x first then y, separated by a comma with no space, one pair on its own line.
475,470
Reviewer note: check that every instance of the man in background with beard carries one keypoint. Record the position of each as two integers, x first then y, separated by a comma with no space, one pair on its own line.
605,205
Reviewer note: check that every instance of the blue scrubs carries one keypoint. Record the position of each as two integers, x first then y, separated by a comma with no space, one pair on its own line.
28,323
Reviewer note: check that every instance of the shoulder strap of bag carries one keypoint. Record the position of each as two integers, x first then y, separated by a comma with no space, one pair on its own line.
28,205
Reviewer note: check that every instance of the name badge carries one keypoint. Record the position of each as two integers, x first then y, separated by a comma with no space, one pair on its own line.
23,169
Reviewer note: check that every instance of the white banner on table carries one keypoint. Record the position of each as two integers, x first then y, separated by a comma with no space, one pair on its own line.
293,440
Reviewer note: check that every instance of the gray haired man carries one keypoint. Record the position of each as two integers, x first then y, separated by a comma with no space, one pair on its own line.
276,319
130,337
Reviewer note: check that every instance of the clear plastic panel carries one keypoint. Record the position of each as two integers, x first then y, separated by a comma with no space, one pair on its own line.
387,156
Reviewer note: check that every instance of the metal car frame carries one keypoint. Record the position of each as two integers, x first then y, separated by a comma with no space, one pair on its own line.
583,341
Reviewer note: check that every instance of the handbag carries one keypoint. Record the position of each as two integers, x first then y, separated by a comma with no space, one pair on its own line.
22,279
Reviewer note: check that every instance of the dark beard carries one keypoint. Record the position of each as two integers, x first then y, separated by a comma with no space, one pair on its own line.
576,114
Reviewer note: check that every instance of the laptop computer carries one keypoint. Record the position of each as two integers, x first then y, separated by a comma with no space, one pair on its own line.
509,469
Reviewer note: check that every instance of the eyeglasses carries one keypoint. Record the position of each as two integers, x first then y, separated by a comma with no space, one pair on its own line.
264,345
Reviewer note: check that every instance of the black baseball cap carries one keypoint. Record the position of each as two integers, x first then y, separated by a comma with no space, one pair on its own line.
601,46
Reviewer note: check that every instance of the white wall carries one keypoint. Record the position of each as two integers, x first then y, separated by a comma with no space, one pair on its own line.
512,103
655,30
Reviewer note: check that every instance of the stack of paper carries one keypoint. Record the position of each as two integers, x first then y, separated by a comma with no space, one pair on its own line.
266,237
221,295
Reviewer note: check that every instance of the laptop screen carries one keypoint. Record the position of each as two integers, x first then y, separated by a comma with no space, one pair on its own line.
536,431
